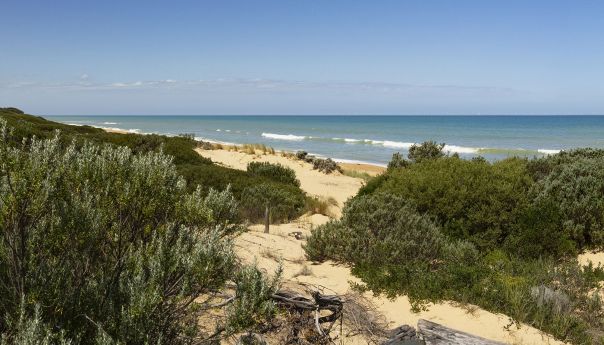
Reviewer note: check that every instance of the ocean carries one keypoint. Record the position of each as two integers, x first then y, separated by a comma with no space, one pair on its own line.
373,139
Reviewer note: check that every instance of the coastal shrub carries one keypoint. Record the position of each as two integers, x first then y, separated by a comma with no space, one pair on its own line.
397,161
325,165
540,232
471,200
301,155
100,243
276,172
388,243
264,201
575,182
425,150
396,251
196,170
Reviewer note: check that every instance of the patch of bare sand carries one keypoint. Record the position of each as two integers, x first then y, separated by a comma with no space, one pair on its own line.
279,246
596,258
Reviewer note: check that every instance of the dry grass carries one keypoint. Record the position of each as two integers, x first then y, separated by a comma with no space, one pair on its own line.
253,149
320,205
357,174
269,254
363,319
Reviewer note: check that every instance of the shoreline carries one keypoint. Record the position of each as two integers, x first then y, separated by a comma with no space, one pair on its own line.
346,164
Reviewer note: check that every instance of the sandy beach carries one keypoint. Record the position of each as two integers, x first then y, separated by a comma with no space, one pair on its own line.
268,249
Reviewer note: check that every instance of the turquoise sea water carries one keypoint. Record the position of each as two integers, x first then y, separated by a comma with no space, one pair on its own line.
374,139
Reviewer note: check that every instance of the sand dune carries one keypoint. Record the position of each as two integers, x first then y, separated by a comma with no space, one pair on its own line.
268,249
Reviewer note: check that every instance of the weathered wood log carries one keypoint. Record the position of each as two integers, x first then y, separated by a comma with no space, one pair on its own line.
435,334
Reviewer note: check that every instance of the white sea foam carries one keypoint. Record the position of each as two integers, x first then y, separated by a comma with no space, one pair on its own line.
460,149
214,141
131,130
548,151
110,123
390,143
283,136
354,161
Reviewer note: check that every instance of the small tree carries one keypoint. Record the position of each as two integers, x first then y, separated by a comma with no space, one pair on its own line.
397,161
267,197
426,150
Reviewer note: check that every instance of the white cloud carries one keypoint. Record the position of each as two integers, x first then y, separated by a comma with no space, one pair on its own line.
263,84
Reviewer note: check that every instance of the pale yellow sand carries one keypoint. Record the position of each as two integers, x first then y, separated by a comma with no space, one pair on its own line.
596,258
268,249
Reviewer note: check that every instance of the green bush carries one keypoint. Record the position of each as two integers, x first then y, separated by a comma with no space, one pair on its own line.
396,251
426,150
575,182
264,201
388,243
471,200
325,165
397,161
99,242
275,172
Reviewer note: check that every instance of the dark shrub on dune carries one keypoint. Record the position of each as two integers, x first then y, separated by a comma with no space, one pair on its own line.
275,172
425,151
471,200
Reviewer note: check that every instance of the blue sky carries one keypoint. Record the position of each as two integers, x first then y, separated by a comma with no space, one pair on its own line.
302,57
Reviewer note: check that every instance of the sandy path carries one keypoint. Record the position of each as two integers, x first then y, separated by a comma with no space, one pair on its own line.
268,249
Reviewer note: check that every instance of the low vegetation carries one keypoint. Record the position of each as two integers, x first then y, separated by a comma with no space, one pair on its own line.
102,245
357,174
325,165
320,205
500,235
196,170
275,172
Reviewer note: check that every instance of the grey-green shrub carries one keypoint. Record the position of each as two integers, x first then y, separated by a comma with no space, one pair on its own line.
275,172
576,185
386,240
106,243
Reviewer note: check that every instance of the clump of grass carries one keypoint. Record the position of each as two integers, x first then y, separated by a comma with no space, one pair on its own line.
320,205
357,174
256,148
304,271
288,154
269,254
300,260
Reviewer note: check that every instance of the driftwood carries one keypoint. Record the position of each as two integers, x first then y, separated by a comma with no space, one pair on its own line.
435,334
309,314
